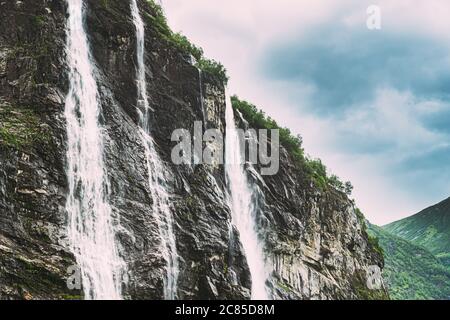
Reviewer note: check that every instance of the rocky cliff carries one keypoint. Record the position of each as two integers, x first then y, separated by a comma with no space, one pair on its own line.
315,243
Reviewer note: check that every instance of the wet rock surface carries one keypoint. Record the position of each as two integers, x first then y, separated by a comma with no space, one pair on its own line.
314,240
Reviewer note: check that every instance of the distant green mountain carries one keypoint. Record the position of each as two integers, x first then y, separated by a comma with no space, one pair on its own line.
411,272
430,228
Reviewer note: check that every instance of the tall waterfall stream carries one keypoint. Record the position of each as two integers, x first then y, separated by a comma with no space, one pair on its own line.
90,222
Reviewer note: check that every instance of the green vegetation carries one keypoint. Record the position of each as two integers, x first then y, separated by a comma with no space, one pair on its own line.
411,272
182,43
375,244
215,68
105,3
185,45
359,281
20,128
293,144
38,21
72,297
373,240
284,286
429,228
258,120
417,254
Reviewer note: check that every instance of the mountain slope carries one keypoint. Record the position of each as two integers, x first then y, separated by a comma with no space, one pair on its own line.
430,228
411,272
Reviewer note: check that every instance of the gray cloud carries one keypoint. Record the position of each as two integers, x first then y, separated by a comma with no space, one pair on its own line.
428,161
346,67
384,95
438,121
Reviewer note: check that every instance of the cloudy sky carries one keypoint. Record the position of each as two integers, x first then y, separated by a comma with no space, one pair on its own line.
373,104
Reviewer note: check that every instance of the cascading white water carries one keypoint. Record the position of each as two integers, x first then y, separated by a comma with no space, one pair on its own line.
242,207
90,222
156,171
163,215
202,104
143,106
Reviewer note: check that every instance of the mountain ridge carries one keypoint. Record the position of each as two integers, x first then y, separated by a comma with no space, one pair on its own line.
429,228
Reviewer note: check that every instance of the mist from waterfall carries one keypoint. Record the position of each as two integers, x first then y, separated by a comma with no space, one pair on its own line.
156,171
90,222
243,207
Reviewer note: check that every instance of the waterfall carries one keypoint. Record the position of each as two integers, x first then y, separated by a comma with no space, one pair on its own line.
90,222
202,104
156,172
243,208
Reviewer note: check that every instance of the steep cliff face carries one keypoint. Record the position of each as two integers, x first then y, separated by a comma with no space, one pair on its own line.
314,241
33,258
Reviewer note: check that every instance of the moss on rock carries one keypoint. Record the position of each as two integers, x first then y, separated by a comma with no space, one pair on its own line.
21,128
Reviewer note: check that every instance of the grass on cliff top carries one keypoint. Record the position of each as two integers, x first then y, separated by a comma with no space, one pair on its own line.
293,144
182,43
20,128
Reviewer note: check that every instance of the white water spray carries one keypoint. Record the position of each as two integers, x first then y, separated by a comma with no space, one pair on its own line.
243,208
202,104
156,171
90,226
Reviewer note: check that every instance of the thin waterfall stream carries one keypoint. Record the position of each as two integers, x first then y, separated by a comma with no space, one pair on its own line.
243,209
156,171
90,222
